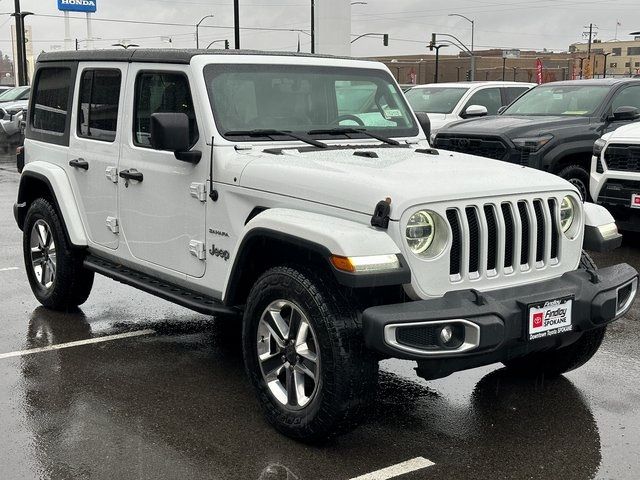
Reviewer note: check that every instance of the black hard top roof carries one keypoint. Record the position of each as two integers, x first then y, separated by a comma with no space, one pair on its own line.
148,55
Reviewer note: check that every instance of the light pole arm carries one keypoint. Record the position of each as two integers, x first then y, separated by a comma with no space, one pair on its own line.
367,35
457,42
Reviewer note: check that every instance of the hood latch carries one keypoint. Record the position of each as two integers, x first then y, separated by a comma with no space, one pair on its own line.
381,213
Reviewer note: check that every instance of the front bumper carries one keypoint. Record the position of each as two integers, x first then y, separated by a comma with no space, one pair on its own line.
496,323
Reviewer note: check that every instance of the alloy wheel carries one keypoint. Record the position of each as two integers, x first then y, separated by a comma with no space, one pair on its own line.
43,254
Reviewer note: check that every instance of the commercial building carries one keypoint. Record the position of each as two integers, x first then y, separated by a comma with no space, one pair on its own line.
621,58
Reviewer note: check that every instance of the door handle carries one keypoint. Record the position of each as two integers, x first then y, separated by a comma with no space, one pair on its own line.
131,174
79,163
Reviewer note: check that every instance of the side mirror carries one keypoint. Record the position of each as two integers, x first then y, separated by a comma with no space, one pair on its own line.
425,123
502,109
475,111
622,114
170,131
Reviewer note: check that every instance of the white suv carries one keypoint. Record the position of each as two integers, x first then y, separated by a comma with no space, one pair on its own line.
446,103
297,194
615,175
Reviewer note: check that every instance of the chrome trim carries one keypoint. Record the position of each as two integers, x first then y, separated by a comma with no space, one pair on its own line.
632,296
471,337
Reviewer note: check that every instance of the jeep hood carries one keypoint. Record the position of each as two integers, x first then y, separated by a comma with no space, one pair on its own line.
339,178
514,125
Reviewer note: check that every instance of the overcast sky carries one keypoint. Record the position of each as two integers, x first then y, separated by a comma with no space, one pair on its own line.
551,24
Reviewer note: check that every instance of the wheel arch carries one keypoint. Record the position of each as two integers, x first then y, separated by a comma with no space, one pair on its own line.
51,182
572,154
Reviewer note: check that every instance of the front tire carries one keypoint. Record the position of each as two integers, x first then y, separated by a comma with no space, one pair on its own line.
555,363
579,178
304,354
54,269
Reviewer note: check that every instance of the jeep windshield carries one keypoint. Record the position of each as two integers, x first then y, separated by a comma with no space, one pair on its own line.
570,100
435,99
313,101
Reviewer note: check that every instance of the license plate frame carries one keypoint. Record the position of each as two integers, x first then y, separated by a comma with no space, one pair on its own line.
548,318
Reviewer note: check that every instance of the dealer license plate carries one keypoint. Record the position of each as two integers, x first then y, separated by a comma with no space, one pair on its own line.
635,200
550,318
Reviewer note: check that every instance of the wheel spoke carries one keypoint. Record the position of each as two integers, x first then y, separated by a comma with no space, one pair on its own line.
295,320
304,352
304,369
301,397
43,274
37,256
51,266
277,326
271,367
303,332
42,235
292,391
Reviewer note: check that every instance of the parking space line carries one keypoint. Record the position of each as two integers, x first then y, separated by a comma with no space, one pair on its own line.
9,269
396,470
78,343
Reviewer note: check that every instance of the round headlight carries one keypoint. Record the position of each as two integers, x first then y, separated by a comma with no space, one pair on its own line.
567,214
420,232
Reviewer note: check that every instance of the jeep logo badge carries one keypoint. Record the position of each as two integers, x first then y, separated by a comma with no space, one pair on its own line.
218,252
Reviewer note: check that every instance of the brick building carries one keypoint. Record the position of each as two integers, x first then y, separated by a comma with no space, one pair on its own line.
622,57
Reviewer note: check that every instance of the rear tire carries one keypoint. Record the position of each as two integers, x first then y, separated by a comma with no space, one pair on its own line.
54,268
579,178
556,362
334,375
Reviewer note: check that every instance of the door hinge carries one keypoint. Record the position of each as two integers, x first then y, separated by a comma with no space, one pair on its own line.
197,249
199,191
112,174
112,224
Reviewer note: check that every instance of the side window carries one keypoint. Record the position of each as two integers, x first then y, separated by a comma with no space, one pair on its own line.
487,97
161,92
51,100
511,93
98,104
629,97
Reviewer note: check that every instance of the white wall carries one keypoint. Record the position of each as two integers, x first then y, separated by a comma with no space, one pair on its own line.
333,27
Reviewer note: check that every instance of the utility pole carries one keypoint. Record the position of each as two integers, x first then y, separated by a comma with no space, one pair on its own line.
21,71
504,67
437,49
590,34
236,22
313,26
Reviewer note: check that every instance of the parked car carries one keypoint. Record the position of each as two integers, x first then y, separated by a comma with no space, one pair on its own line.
11,133
5,88
449,102
552,127
15,94
615,175
235,184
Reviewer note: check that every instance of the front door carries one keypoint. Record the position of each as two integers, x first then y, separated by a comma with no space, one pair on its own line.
94,148
161,218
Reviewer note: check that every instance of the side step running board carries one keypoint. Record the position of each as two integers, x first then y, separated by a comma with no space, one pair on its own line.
173,293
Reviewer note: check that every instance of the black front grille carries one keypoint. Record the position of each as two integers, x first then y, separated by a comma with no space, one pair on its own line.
418,337
483,147
618,192
509,235
625,158
540,232
524,220
456,243
474,239
492,229
555,231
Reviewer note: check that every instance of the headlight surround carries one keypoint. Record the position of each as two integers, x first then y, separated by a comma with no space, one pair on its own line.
598,147
420,231
567,213
532,144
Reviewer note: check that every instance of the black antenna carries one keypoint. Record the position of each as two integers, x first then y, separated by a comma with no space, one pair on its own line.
213,194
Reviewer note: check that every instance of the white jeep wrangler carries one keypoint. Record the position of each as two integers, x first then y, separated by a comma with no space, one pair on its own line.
298,195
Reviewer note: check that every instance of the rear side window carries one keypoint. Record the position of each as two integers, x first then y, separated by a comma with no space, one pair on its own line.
161,92
98,105
629,97
511,93
51,100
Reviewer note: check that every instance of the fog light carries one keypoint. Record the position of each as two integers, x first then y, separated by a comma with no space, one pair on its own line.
446,334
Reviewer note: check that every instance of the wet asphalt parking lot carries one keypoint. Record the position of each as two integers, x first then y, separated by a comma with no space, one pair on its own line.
165,397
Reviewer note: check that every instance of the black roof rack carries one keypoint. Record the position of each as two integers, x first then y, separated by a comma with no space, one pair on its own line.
153,55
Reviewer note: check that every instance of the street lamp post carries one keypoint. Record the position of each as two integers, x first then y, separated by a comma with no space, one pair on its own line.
458,73
473,56
197,26
604,68
515,72
582,59
21,45
437,49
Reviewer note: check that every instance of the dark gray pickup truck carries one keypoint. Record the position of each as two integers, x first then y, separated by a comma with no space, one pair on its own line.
552,127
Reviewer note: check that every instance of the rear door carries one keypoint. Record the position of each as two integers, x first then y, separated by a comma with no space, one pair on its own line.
161,215
94,148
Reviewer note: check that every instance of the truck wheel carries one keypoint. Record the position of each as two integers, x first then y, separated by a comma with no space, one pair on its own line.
305,356
556,362
579,178
55,271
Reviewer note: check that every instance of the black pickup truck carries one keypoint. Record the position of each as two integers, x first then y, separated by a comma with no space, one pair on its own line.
551,127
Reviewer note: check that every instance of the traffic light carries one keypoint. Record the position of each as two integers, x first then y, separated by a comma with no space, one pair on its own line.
385,39
468,75
226,44
432,44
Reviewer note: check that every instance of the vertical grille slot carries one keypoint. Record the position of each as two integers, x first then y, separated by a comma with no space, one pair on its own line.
492,237
555,230
540,232
524,220
474,239
509,233
456,243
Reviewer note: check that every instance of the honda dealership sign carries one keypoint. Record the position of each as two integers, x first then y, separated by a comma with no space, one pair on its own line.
88,6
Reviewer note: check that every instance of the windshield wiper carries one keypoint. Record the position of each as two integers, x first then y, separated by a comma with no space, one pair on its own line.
271,132
348,130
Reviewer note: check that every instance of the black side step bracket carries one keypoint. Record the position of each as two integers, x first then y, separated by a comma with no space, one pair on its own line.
173,293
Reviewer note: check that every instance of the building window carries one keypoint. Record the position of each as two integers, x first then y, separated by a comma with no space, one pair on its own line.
98,106
628,64
616,52
637,64
613,65
633,51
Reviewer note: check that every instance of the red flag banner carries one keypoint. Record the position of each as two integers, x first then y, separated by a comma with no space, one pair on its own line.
539,70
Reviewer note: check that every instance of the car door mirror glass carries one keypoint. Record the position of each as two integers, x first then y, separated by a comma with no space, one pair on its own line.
626,114
475,111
